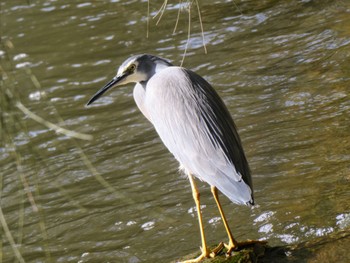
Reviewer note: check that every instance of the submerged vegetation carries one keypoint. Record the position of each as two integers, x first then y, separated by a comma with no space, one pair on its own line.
15,119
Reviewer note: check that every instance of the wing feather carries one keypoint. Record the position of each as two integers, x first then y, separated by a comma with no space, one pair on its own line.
195,125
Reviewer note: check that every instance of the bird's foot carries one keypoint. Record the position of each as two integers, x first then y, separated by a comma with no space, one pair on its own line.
206,254
217,250
231,246
236,246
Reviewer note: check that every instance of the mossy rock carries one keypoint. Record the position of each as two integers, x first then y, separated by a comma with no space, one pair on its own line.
248,254
325,249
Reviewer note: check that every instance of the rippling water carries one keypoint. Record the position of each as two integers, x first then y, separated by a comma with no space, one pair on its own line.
283,70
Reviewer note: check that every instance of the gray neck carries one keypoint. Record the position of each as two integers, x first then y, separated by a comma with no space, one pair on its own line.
156,66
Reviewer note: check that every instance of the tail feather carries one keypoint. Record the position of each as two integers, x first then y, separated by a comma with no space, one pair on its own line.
237,191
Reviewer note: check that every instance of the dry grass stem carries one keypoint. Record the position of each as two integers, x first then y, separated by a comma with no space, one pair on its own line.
51,125
161,11
201,24
10,237
188,36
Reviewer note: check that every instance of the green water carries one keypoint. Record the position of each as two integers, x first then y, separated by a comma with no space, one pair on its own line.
282,67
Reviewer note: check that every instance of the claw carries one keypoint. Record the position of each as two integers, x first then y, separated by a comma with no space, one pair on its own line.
231,247
217,250
201,257
206,254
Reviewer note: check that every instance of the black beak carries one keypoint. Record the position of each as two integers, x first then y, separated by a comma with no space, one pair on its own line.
109,85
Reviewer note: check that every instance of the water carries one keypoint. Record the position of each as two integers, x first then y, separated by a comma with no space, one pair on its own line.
282,68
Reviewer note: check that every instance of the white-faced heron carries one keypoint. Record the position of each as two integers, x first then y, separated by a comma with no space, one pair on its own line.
196,127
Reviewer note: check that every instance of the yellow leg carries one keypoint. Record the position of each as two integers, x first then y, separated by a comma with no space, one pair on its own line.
233,244
196,197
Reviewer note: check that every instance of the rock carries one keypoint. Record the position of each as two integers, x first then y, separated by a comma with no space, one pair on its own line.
330,248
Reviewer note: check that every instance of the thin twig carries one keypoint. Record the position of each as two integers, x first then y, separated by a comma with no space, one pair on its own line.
10,237
200,21
178,16
52,126
240,10
188,35
83,156
147,31
161,11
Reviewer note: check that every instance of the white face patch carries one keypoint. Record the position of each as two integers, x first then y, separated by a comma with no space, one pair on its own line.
132,76
123,69
136,77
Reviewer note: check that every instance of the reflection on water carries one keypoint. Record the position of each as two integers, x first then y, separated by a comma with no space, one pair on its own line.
282,67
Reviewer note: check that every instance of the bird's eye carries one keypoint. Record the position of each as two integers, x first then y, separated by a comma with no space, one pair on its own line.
132,67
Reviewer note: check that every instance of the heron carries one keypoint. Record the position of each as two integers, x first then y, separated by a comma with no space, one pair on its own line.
195,125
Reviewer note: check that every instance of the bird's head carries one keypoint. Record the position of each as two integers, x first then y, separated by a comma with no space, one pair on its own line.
136,69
